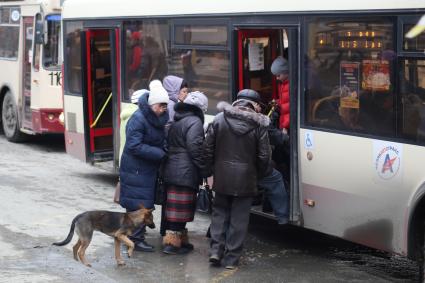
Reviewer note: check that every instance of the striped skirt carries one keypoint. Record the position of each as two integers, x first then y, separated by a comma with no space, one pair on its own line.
181,204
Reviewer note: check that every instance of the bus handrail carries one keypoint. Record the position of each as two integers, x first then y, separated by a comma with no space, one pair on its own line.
101,111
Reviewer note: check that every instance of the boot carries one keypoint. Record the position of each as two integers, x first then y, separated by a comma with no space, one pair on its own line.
138,234
171,242
138,238
143,246
185,241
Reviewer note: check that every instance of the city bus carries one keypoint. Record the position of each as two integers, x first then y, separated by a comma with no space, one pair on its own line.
30,73
356,84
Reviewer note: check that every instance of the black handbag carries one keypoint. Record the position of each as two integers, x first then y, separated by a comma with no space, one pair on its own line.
160,191
204,198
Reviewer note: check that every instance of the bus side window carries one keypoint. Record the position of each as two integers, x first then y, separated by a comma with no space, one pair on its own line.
72,53
37,46
413,99
349,71
146,50
9,34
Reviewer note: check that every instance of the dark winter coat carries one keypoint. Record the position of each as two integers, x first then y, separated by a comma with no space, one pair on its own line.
279,141
237,149
185,139
143,152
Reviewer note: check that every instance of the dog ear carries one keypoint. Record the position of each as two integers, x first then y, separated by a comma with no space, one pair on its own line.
142,206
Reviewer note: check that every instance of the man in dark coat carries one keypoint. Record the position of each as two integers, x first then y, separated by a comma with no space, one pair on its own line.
142,155
238,152
272,183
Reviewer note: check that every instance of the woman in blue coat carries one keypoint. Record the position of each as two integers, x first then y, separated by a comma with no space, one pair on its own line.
143,152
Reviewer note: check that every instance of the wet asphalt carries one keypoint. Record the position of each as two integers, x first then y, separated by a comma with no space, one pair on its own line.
42,189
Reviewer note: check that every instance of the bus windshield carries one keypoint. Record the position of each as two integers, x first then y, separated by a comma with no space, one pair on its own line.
51,46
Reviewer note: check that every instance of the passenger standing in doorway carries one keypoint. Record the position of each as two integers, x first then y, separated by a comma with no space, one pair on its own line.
237,150
272,183
142,155
183,170
280,69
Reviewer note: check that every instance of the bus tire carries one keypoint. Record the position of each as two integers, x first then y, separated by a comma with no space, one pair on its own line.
10,120
420,250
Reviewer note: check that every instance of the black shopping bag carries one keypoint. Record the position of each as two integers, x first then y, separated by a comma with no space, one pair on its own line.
204,199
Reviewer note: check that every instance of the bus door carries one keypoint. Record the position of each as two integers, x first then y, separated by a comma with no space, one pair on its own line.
102,92
256,50
27,39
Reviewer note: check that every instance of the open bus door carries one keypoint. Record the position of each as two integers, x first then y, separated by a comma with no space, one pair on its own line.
27,85
102,93
257,48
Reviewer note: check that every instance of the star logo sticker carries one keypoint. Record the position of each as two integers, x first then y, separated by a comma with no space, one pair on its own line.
388,164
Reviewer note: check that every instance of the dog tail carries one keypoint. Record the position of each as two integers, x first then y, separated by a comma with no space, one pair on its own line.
70,234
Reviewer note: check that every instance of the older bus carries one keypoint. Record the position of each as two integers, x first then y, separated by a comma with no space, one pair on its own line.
30,73
357,95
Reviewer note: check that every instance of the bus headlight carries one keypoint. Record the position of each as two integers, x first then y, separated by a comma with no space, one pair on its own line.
61,118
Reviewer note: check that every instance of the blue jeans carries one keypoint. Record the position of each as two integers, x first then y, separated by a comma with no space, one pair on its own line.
274,189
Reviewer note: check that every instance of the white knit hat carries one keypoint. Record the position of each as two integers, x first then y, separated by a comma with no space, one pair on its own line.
154,84
198,99
157,94
137,94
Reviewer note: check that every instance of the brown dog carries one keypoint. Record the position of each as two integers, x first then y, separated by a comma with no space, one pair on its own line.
115,224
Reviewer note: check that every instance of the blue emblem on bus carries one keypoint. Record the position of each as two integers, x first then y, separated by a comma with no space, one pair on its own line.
387,162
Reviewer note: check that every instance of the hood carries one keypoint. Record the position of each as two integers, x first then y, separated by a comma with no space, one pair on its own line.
242,120
155,121
184,110
128,111
172,85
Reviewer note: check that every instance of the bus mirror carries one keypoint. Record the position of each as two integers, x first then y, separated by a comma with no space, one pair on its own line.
39,33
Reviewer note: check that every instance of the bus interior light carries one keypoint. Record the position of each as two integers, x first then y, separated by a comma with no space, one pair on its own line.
417,29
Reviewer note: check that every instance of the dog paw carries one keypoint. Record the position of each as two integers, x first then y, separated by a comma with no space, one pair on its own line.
120,263
88,264
130,253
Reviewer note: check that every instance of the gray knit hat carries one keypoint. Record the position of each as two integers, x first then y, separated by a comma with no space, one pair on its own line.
198,99
280,66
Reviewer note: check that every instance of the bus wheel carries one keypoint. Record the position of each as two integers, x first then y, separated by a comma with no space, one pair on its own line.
421,258
10,119
421,265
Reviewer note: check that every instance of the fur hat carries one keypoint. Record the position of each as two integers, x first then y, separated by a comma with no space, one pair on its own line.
157,94
280,66
137,94
198,99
